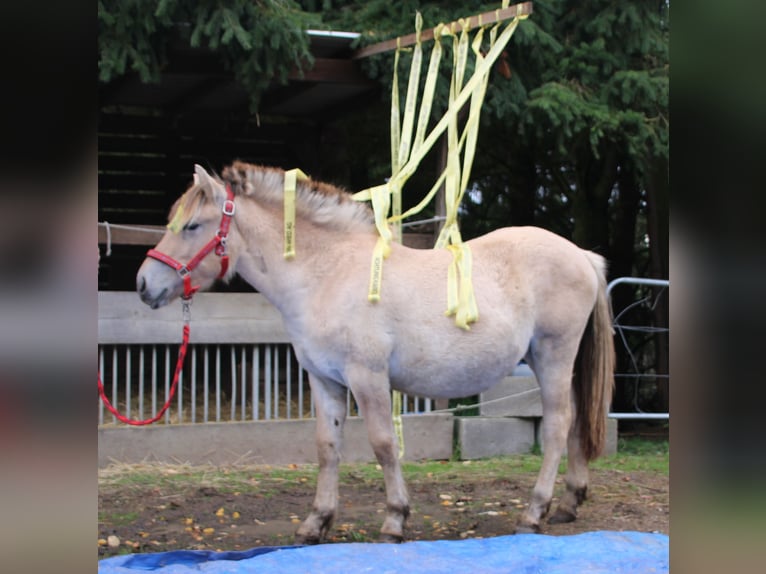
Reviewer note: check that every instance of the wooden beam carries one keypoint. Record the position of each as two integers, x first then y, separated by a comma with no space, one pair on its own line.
522,9
331,71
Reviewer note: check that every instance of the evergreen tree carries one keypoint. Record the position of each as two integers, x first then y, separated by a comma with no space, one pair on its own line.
260,42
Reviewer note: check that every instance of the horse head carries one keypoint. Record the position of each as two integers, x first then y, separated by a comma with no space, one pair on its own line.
195,250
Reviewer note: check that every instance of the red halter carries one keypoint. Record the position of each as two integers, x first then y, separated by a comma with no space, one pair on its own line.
218,242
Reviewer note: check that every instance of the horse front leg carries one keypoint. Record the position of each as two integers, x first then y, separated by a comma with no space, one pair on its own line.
373,395
330,404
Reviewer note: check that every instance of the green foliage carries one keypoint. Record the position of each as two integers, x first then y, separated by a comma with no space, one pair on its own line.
608,86
260,42
130,39
587,76
642,446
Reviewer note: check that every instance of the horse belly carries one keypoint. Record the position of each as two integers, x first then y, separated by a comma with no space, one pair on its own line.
452,363
460,377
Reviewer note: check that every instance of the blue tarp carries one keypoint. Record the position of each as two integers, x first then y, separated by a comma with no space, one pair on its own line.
592,552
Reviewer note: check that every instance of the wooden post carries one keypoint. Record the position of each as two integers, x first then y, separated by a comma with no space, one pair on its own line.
499,15
440,203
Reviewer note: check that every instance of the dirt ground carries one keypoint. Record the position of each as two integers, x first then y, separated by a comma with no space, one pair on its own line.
153,508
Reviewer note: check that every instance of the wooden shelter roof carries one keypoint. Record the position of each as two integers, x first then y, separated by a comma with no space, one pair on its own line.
195,81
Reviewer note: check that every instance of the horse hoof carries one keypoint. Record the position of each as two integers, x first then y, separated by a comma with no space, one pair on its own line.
391,538
562,517
303,540
527,529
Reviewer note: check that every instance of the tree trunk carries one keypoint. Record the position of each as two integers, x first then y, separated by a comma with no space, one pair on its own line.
522,185
621,264
595,180
657,188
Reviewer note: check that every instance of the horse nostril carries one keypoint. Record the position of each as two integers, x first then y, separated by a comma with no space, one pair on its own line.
142,285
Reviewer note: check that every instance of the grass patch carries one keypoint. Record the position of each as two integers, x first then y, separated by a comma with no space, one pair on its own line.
633,454
642,446
265,480
637,454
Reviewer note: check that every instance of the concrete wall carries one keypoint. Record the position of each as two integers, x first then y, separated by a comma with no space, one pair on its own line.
284,442
482,437
511,420
263,442
510,426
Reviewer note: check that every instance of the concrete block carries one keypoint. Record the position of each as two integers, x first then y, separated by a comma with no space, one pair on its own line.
263,442
519,396
611,436
481,437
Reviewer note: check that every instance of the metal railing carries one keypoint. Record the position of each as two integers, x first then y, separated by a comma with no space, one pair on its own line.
219,383
239,365
621,330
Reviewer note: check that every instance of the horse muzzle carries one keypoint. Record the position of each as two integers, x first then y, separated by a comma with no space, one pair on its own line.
153,295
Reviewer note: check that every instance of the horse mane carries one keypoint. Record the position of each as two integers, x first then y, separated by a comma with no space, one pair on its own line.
322,203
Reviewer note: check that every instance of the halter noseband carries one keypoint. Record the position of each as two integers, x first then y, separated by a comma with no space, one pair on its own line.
217,243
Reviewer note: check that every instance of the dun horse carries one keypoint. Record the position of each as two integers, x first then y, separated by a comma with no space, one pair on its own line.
541,298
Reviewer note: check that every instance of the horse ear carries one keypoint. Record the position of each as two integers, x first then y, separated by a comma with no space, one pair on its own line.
203,179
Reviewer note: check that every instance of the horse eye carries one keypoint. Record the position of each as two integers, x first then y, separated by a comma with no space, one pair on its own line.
191,226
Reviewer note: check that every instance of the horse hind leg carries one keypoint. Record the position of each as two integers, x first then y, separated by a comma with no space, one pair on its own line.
330,403
554,377
576,481
591,396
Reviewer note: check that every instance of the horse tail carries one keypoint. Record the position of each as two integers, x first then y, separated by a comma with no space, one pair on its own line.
594,369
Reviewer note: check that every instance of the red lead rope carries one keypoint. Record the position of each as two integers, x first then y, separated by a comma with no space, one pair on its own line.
158,416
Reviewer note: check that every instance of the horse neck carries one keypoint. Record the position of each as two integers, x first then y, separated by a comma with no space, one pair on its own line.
285,283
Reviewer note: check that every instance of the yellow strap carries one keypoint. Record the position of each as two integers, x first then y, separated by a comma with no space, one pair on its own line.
291,183
413,85
396,416
395,135
379,253
423,119
467,311
423,202
472,123
455,181
428,90
461,98
460,296
461,55
452,282
363,195
381,201
409,168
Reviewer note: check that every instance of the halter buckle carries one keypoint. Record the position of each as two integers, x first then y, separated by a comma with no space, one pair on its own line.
229,207
183,271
